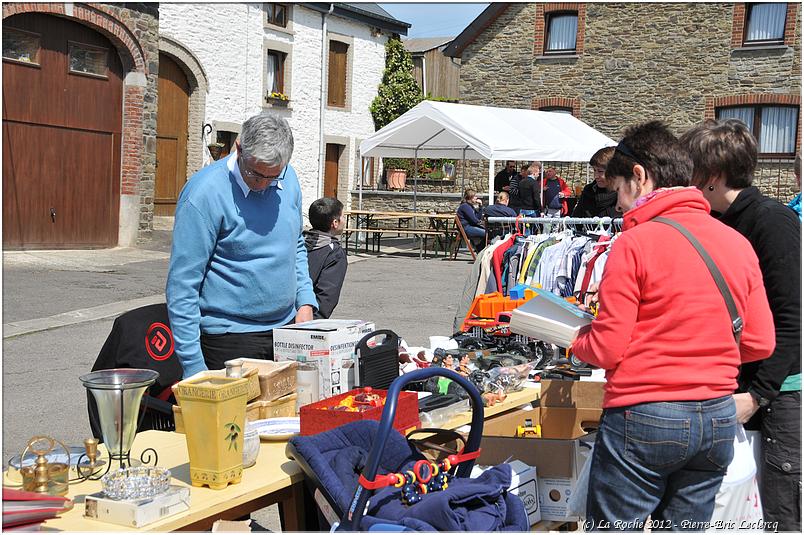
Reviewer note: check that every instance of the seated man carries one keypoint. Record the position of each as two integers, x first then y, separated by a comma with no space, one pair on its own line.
499,209
469,216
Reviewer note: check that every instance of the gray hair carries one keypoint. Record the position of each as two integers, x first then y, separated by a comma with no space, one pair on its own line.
267,138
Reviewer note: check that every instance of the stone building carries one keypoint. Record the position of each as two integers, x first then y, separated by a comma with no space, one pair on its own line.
322,67
616,64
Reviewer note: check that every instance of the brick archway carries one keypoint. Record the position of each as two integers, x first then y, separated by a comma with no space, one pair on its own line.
136,70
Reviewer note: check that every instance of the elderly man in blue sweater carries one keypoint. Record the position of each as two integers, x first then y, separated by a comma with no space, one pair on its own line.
238,267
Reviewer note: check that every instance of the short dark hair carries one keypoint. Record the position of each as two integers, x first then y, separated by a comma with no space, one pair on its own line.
653,146
525,167
721,147
601,158
323,212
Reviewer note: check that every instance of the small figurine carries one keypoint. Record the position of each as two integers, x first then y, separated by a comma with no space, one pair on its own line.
463,366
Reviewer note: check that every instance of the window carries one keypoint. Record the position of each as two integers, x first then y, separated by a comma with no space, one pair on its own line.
227,140
87,59
22,46
276,14
336,87
275,72
774,127
765,24
557,109
562,29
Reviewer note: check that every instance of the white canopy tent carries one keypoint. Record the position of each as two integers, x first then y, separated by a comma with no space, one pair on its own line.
462,131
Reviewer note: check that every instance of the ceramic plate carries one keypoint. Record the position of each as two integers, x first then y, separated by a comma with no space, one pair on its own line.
276,428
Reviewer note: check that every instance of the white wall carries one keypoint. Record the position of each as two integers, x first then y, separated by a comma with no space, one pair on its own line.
228,40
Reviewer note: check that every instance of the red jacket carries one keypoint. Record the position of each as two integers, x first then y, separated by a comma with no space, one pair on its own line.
564,189
663,332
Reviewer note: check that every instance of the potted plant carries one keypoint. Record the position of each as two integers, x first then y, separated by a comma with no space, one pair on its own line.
397,172
215,149
276,98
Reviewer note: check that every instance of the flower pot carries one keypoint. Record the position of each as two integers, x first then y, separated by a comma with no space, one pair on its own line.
397,178
214,414
277,102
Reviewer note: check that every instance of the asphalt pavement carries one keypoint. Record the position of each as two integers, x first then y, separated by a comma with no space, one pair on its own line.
58,308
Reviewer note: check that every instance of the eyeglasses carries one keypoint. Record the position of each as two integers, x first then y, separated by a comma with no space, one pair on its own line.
623,149
258,176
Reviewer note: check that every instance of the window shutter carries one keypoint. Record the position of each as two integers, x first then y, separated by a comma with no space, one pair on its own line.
336,87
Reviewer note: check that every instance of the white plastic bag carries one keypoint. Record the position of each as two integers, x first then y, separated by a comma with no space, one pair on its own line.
576,505
737,504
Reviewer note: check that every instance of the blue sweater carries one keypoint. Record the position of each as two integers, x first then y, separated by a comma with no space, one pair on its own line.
238,263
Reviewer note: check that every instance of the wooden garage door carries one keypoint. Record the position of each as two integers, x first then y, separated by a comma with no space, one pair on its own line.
171,135
62,116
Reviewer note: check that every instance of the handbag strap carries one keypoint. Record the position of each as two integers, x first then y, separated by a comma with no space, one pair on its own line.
736,320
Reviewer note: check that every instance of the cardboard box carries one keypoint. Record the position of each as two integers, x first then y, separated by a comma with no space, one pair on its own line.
137,513
557,461
523,484
325,344
569,409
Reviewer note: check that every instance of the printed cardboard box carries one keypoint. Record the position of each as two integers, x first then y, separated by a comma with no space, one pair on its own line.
523,484
325,344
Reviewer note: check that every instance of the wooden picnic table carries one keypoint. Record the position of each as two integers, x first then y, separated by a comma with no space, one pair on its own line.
368,222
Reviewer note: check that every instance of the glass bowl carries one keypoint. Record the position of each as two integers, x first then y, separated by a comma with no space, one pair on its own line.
136,482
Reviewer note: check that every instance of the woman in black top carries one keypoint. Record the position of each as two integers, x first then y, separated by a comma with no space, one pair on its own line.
596,200
769,395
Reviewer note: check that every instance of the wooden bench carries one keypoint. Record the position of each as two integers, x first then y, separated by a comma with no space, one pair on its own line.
376,236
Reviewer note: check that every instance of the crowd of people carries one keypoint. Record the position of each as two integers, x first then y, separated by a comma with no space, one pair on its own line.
699,323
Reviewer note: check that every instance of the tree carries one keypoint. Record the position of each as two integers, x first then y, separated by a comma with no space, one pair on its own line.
398,91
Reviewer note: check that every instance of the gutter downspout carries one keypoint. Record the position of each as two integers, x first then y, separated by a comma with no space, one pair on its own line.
424,76
321,145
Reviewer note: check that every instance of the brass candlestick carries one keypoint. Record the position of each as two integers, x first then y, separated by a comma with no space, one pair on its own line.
45,477
91,447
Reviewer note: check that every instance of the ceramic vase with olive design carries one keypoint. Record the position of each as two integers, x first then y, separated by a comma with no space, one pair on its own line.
214,413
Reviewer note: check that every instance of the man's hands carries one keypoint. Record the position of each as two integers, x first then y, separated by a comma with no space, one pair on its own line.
305,313
746,406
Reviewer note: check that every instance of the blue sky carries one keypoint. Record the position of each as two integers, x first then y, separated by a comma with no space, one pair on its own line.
435,20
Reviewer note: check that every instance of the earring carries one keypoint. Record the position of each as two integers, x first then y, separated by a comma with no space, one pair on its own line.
711,188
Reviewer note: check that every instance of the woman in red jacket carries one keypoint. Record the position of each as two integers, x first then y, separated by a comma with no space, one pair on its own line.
664,336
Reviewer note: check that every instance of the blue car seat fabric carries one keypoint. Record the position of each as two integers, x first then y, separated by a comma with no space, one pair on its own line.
337,456
479,504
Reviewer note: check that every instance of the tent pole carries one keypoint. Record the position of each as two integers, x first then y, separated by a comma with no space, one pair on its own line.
463,170
360,188
491,181
541,181
415,178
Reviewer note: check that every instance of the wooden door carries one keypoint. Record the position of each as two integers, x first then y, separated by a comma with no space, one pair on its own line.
171,135
62,120
331,170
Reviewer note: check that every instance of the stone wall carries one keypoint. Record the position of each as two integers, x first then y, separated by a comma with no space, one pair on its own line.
640,61
402,201
143,21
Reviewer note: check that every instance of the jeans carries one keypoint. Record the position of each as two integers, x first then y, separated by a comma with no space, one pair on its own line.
530,228
663,459
780,489
477,235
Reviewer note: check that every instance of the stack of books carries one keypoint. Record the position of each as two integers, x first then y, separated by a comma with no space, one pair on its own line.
549,318
26,511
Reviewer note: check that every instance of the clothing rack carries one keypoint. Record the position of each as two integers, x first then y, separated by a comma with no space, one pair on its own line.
559,220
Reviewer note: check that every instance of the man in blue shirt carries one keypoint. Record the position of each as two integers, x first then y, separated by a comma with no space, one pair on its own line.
238,267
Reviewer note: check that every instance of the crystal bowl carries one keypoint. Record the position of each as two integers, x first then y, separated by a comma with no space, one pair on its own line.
136,482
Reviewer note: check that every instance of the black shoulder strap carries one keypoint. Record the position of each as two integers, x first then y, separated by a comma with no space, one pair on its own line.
736,320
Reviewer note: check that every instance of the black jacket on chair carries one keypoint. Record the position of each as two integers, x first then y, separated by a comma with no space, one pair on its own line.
141,338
